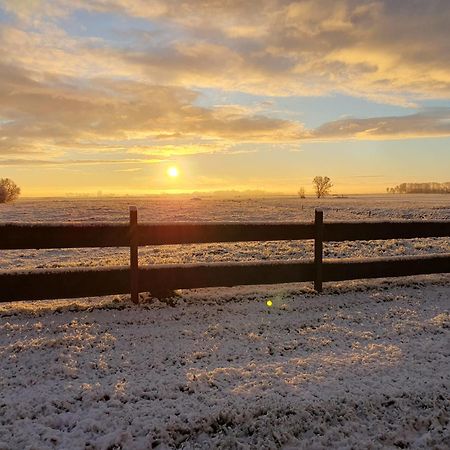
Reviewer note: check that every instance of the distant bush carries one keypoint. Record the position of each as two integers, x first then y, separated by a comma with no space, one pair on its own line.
301,192
9,190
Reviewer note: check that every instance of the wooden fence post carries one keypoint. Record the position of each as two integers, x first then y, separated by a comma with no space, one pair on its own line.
318,249
134,261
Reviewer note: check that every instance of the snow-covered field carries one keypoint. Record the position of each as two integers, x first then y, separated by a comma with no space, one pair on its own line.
364,365
281,209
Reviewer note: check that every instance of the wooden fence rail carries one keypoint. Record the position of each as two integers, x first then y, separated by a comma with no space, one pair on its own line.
37,236
72,283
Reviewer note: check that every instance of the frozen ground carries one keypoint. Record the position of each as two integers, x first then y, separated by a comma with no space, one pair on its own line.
151,209
366,365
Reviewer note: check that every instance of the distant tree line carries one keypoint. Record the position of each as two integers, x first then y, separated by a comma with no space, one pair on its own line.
420,188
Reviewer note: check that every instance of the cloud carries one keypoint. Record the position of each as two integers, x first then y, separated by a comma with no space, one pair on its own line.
51,114
375,49
55,117
63,94
74,162
180,148
428,123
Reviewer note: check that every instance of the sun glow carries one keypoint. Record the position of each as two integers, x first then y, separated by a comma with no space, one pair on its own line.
172,172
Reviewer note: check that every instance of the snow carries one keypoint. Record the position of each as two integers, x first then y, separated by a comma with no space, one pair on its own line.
364,365
209,208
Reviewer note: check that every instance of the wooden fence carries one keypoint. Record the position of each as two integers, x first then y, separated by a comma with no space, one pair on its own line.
87,282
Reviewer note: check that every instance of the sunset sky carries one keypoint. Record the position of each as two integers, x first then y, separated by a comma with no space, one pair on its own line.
99,95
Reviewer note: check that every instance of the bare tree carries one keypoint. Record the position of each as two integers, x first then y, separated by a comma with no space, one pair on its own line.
9,190
322,186
301,192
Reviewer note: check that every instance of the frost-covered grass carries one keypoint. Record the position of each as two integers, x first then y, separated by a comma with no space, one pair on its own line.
363,207
249,251
366,365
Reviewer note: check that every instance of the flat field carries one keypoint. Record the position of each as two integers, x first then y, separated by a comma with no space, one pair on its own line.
364,365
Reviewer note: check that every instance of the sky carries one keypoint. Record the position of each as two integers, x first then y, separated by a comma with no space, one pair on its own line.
107,95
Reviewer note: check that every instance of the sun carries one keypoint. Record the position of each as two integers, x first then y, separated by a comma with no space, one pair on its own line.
172,172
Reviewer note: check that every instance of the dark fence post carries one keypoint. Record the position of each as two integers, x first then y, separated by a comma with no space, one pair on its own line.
134,263
318,249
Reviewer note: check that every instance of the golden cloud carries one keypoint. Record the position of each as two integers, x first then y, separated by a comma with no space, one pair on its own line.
312,47
44,115
309,47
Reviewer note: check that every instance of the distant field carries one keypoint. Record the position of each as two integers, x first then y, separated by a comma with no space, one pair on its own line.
168,209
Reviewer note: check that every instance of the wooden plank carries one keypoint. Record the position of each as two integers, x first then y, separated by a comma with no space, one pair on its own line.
35,236
352,269
365,231
192,276
43,284
318,249
196,233
134,255
73,283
